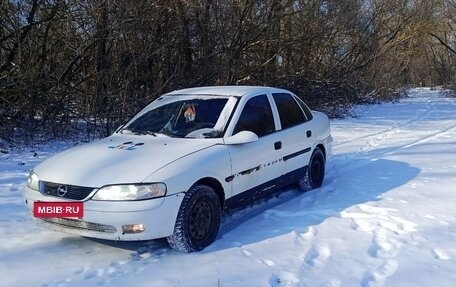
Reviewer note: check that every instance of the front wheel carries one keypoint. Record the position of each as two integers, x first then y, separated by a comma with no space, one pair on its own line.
198,220
315,171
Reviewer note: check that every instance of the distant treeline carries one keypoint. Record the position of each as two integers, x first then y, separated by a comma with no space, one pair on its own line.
69,67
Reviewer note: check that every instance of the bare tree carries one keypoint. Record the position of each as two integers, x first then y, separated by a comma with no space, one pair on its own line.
84,67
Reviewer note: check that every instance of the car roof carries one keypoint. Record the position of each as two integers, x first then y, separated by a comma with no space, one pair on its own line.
237,91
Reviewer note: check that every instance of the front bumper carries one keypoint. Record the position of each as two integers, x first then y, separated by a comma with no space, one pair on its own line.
104,219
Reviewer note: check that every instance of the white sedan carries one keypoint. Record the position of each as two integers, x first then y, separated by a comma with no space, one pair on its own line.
172,169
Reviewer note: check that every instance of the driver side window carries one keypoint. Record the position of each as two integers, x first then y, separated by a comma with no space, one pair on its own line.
256,117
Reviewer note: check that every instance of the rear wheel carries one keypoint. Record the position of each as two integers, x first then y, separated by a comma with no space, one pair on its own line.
198,220
315,171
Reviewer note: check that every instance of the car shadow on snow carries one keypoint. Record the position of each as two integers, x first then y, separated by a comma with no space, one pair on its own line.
292,210
152,246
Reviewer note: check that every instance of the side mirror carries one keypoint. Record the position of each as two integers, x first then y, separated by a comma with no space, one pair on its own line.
241,138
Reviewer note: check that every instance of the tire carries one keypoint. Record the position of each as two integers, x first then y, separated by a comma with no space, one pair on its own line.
198,220
315,172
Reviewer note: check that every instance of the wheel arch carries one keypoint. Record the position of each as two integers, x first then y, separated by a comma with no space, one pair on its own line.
216,186
322,148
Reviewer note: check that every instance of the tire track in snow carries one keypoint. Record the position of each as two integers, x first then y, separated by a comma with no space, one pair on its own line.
373,149
421,115
389,129
390,151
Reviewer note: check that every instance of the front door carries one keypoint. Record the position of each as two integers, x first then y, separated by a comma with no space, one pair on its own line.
256,166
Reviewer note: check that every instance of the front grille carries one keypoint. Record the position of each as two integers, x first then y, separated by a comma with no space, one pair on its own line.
81,224
72,191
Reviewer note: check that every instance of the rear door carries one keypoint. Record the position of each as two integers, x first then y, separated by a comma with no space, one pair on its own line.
295,134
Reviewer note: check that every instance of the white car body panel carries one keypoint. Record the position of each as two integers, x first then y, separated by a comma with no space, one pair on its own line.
236,171
94,164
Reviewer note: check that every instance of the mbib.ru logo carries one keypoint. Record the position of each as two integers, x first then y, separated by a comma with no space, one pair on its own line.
58,209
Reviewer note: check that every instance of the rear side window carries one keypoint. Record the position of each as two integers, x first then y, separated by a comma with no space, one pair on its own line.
289,111
305,108
256,117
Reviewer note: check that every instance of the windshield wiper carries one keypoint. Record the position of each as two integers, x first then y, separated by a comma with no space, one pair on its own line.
212,134
139,132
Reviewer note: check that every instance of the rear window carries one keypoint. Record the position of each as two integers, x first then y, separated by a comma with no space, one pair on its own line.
305,108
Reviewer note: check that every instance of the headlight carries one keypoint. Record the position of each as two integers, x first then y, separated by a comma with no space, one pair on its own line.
33,181
130,191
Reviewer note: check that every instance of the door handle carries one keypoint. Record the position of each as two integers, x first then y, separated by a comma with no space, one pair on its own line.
277,145
309,133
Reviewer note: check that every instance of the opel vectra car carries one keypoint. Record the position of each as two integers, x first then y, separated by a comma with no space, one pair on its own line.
172,169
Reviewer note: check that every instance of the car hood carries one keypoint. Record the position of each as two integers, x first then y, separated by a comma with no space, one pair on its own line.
117,159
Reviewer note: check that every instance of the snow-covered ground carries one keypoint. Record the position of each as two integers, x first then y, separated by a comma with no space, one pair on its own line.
385,216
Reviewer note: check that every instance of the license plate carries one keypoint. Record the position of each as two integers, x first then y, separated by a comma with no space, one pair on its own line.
58,209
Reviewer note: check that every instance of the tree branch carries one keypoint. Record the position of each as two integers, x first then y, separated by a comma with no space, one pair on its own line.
442,42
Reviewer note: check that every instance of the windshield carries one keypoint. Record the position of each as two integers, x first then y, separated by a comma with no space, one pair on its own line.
183,116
